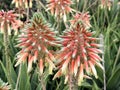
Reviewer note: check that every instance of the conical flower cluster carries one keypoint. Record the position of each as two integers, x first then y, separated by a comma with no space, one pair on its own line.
22,3
59,7
82,18
9,19
79,54
34,41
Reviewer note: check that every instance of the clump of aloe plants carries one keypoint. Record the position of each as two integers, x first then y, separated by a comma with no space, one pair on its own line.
60,45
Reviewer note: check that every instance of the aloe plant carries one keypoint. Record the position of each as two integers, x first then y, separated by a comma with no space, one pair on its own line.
51,26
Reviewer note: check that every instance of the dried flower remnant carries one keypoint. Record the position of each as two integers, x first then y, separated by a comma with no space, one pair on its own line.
59,8
79,54
22,3
83,18
10,18
34,41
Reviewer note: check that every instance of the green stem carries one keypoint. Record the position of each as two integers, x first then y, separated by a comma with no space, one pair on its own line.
6,44
42,76
28,12
72,82
116,60
16,87
42,81
58,23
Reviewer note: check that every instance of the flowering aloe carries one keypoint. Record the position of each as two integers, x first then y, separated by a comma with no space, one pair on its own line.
83,18
9,18
34,41
106,3
22,3
79,54
59,7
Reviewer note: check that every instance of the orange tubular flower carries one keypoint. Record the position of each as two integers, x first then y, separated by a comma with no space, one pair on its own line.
79,54
59,7
10,18
22,3
34,41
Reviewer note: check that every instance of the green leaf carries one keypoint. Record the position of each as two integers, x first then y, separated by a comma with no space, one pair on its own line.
34,80
86,84
24,82
107,50
95,86
114,80
39,87
3,84
11,76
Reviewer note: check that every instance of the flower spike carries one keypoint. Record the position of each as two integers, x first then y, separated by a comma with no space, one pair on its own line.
79,53
34,42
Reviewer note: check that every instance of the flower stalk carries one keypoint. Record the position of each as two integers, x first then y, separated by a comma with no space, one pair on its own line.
72,82
42,81
6,44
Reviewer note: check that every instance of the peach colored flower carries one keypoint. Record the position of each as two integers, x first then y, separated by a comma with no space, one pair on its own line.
106,4
59,7
10,18
22,3
82,18
34,40
79,54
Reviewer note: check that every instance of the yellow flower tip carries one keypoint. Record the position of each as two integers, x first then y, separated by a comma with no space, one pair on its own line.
64,70
26,5
51,65
16,5
65,18
80,81
50,69
13,1
85,76
109,8
66,79
75,69
101,6
18,62
29,69
30,4
65,65
77,1
99,65
93,69
16,32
